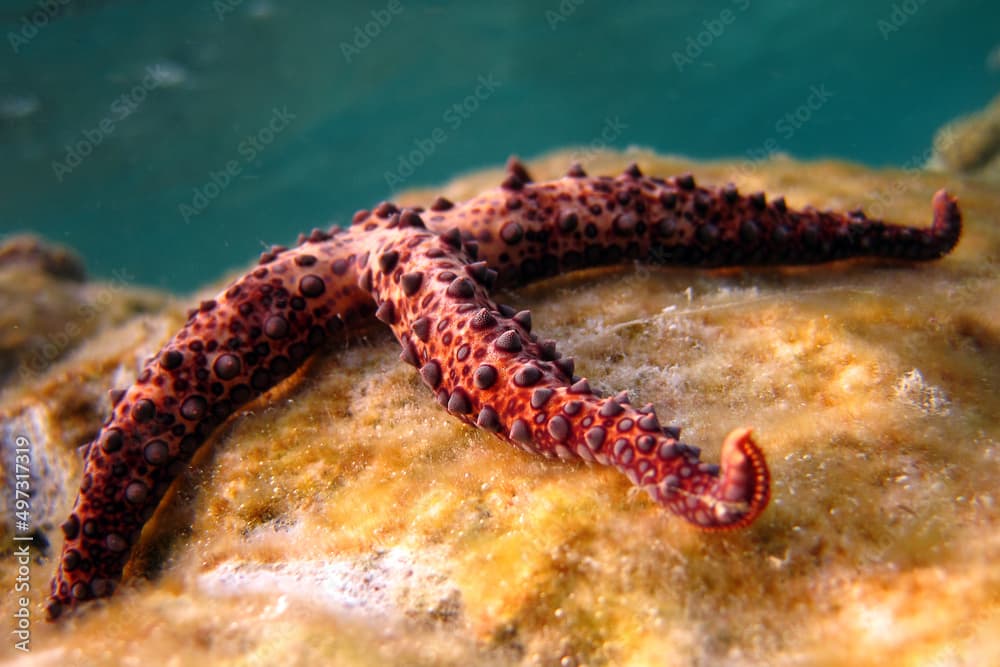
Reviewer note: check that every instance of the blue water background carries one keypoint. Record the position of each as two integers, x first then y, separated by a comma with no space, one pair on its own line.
881,75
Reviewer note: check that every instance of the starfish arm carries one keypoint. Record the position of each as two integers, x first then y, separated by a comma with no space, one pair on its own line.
528,230
486,368
233,348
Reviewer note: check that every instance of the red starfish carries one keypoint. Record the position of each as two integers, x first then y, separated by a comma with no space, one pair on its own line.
428,274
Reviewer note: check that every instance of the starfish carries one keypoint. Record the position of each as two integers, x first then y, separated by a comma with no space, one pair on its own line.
428,274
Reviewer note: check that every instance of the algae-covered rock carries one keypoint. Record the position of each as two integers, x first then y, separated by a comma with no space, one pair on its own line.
971,144
48,308
346,519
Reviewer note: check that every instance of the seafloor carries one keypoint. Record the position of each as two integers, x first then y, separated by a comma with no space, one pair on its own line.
347,519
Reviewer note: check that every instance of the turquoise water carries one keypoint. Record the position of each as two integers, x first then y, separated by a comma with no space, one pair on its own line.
171,141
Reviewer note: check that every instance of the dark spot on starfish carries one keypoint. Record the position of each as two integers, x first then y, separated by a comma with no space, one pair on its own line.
459,402
625,224
452,237
411,218
112,440
749,232
71,527
527,376
386,313
685,182
595,437
422,328
479,271
508,341
540,397
567,365
305,260
520,431
707,233
387,261
115,543
156,452
311,286
136,493
523,317
668,451
488,419
623,451
431,374
568,223
143,411
81,591
193,408
512,182
100,586
649,423
171,360
441,204
276,326
461,288
511,233
227,366
483,319
559,427
485,376
71,560
645,443
411,282
385,209
611,409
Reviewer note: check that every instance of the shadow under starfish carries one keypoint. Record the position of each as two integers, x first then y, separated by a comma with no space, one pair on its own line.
428,274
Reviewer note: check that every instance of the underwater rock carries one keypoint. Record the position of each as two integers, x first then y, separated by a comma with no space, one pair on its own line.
48,308
345,518
970,144
35,254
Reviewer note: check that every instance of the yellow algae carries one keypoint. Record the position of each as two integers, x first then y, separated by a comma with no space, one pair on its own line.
346,519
